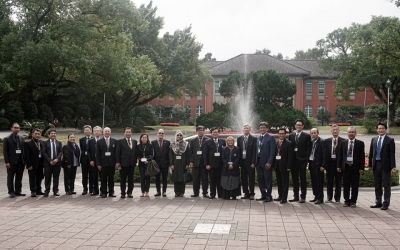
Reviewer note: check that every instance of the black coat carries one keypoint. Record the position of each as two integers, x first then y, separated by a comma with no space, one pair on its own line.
388,159
303,146
318,152
46,153
209,153
68,156
197,159
32,152
234,156
92,150
358,155
250,150
125,155
10,145
328,150
84,150
101,149
286,152
161,156
144,151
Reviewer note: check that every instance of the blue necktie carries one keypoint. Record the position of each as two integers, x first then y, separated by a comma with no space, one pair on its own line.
378,149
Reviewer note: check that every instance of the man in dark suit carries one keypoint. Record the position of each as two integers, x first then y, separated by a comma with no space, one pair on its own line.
34,163
213,161
351,160
106,162
265,155
383,163
315,165
331,149
126,161
247,145
85,163
302,150
283,165
13,150
197,163
52,152
161,156
96,174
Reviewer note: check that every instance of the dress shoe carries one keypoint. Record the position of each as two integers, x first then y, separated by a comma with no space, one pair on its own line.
181,195
260,199
157,194
337,201
328,200
245,197
84,192
112,195
56,194
46,194
234,198
164,194
283,201
268,200
68,193
302,200
251,197
194,195
278,199
313,200
294,199
130,196
346,204
376,205
33,194
39,193
318,202
206,196
353,205
384,207
12,195
19,194
103,195
94,194
211,197
122,196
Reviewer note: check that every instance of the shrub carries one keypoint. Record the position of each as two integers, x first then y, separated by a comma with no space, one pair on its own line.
45,113
370,125
14,112
4,124
30,110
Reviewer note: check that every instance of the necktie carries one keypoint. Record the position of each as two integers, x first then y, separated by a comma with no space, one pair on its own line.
129,142
297,137
200,141
87,140
160,142
350,152
107,142
17,141
53,148
279,147
334,146
216,144
245,141
378,149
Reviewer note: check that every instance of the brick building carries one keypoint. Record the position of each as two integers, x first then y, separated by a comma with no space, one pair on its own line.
314,90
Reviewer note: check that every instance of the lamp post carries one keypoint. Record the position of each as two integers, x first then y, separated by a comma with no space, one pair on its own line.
388,83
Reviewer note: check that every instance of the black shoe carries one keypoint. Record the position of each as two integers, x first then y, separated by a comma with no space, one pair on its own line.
376,205
56,194
234,198
73,192
384,207
122,196
346,204
39,193
33,194
194,195
245,197
206,196
176,195
94,194
211,197
302,200
294,199
278,199
112,195
313,200
164,194
12,195
19,194
283,201
46,194
68,193
130,196
353,205
268,200
84,192
103,195
157,194
260,199
318,202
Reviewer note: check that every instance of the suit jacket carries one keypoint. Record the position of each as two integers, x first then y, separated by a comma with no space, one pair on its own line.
32,152
388,159
358,154
328,150
10,145
161,156
68,156
92,150
84,150
101,149
303,146
46,152
125,155
209,153
250,150
197,159
318,152
267,150
234,157
286,152
145,151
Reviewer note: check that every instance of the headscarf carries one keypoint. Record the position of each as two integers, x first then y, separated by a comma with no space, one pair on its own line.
179,147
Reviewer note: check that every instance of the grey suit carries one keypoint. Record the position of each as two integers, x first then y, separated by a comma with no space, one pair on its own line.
13,151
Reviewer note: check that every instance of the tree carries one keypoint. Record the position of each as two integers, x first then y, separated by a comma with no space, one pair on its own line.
314,53
13,112
263,51
365,56
179,113
323,115
208,58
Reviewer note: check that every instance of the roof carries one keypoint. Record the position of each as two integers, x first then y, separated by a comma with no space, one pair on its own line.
309,65
246,63
211,64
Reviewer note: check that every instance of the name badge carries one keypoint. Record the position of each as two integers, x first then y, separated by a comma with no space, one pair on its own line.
244,152
230,163
143,159
107,153
349,158
178,157
333,156
278,157
199,152
18,151
258,150
311,158
40,155
295,149
217,154
85,152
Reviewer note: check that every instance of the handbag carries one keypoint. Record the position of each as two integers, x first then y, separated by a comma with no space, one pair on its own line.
187,177
152,168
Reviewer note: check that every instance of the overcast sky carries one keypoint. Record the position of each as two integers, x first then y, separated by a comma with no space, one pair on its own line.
227,28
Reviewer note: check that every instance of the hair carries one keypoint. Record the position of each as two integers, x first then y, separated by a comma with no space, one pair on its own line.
200,127
36,129
52,130
140,139
248,125
127,128
70,135
315,129
87,126
214,128
352,127
381,123
282,129
299,120
12,125
334,126
263,124
98,127
230,138
107,128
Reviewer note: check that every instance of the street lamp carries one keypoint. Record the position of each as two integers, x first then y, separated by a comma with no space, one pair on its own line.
388,83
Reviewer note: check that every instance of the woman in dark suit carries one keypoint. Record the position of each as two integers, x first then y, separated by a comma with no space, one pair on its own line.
70,162
230,175
144,153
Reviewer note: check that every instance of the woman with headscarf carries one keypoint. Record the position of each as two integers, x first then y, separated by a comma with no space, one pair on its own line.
179,161
144,153
230,175
70,162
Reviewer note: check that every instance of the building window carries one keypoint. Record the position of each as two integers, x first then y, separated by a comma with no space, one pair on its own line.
308,88
308,110
160,98
321,88
199,110
200,96
170,97
216,87
188,111
352,96
187,96
321,107
160,115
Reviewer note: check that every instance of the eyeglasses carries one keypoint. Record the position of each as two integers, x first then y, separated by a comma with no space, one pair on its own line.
16,127
178,135
160,133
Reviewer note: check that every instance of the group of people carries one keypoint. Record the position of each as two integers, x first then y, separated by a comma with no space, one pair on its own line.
220,167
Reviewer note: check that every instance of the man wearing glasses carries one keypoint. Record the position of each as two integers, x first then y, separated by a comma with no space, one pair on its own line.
161,156
13,156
